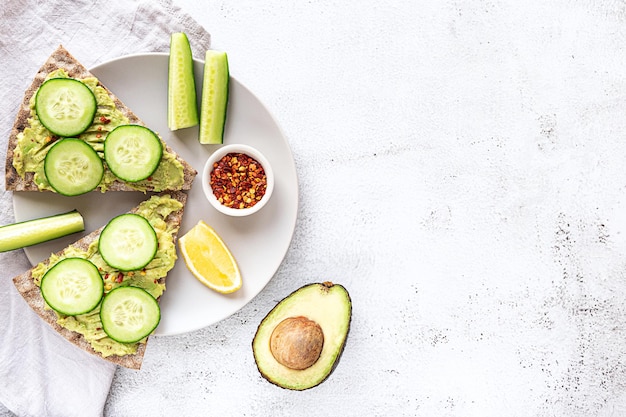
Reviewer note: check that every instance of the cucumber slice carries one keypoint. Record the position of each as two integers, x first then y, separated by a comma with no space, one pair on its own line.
32,232
128,314
128,242
182,108
132,152
73,286
72,167
65,106
214,97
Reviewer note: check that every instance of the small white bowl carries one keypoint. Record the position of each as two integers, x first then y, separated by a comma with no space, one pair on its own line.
219,154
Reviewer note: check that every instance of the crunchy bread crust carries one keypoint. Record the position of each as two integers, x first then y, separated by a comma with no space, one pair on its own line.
61,58
32,294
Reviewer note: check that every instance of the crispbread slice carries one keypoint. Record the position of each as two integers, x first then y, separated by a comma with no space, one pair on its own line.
62,59
32,294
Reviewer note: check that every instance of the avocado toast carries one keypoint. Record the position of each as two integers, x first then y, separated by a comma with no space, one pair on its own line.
164,212
30,140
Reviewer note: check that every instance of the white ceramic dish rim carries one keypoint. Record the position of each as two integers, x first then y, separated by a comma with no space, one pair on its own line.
260,242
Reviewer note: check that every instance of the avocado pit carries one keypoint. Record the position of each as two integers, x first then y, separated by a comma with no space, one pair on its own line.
297,342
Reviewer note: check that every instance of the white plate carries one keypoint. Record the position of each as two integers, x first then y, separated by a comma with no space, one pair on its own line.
258,242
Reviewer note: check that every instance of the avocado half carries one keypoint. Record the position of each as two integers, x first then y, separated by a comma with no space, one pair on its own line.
298,344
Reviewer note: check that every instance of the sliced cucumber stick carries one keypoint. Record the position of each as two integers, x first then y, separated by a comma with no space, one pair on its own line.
32,232
214,103
129,314
182,110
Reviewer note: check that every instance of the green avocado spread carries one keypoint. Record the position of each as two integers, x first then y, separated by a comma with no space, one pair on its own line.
155,210
35,140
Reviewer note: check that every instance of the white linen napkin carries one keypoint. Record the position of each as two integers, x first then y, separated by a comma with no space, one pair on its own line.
41,374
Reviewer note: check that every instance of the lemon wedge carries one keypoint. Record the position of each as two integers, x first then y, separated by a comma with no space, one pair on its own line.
208,258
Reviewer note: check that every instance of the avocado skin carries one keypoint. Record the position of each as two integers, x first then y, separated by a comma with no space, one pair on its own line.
324,286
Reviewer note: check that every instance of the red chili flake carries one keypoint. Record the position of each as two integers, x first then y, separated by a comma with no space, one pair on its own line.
238,180
119,278
106,276
104,120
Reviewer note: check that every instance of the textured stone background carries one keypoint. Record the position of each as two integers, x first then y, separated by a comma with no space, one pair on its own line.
461,168
461,172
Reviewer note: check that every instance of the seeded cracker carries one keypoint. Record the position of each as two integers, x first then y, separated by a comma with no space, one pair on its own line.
32,294
62,59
